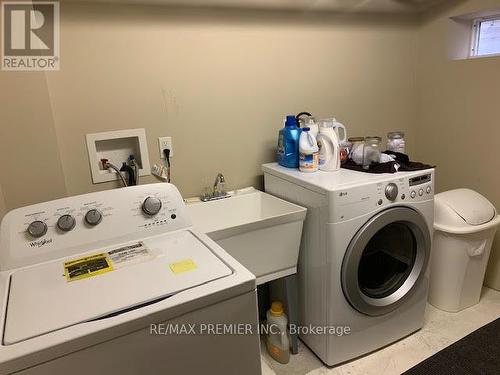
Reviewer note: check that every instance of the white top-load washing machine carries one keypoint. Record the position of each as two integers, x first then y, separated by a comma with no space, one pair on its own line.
363,263
118,282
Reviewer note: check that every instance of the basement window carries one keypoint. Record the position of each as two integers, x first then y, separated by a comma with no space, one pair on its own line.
486,36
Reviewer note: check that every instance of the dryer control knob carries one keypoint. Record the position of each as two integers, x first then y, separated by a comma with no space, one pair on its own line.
151,206
66,223
93,217
37,229
391,191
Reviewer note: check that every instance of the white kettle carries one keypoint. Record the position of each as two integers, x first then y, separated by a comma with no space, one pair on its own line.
329,147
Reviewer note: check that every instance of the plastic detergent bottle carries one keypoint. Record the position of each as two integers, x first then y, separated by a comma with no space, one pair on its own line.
329,148
313,126
308,152
277,342
288,143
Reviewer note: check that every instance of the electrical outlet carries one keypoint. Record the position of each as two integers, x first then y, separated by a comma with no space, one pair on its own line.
164,143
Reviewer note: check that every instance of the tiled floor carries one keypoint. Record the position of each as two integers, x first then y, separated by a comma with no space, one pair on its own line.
441,329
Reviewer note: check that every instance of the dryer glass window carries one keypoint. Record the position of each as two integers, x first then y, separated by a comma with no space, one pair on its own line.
387,260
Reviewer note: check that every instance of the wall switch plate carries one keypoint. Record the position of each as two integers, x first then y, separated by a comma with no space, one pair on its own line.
164,143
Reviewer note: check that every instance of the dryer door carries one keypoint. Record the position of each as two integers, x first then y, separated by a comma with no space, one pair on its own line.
385,260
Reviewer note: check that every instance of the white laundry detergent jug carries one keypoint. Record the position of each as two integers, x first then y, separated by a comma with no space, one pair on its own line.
337,126
329,148
277,342
308,152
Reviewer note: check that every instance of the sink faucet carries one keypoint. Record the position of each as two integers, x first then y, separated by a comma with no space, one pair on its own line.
218,190
219,183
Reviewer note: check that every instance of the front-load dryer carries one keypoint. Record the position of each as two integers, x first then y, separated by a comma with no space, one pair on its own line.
363,263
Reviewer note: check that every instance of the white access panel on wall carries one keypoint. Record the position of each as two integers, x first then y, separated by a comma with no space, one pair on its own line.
116,147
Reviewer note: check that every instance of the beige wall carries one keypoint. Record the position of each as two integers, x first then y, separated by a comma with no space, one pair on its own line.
219,83
31,168
3,209
459,114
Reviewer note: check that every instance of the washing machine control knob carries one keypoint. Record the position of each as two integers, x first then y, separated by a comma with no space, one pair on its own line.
391,191
151,206
66,223
93,217
37,229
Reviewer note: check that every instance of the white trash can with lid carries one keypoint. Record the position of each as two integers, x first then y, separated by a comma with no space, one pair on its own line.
465,223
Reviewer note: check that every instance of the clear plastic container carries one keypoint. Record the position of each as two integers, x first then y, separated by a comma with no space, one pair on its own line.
371,151
396,141
344,150
356,145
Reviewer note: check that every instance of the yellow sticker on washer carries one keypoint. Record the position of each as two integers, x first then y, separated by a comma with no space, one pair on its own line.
183,266
88,266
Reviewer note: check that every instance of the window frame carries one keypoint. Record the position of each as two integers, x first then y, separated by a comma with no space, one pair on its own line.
476,33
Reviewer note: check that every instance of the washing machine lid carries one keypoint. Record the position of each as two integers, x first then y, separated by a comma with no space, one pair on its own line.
58,294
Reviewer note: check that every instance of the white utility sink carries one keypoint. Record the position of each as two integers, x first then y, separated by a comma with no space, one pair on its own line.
259,230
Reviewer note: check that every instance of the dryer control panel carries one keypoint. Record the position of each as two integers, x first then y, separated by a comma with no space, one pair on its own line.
62,227
406,189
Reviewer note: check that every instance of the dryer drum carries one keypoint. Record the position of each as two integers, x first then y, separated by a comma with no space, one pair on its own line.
385,261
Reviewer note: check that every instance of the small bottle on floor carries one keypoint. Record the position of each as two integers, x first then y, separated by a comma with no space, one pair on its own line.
277,341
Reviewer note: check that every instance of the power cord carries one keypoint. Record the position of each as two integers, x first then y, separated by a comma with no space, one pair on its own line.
131,174
133,163
167,160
